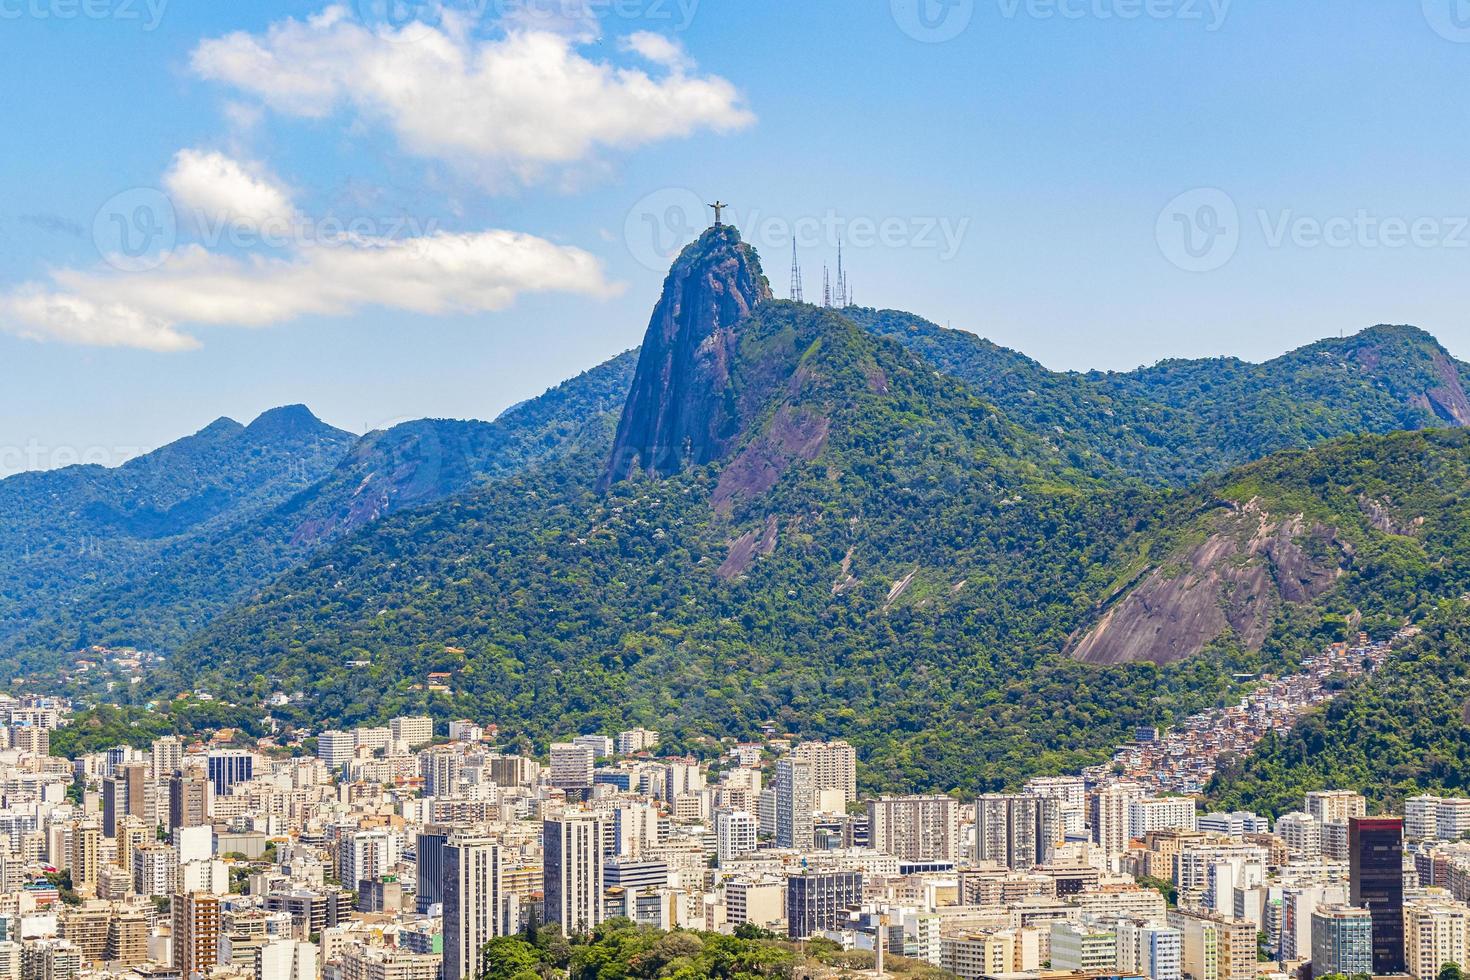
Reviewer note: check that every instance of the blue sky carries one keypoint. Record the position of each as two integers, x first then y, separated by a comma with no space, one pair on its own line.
440,218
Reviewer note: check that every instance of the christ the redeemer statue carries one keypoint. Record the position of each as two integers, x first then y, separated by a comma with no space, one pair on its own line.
719,207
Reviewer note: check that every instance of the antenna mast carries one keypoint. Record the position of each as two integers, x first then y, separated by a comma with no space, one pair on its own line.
841,279
795,275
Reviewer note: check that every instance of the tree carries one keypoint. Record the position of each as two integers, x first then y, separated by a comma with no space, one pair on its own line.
510,958
1451,971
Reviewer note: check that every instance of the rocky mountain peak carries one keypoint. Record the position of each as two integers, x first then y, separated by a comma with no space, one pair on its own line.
680,410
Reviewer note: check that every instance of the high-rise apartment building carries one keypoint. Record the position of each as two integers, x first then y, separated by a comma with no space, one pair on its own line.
1302,834
124,793
1215,947
1161,813
1109,816
635,740
286,959
1148,948
834,766
188,799
1016,830
1342,940
915,828
1079,947
84,856
413,730
573,870
1435,935
1298,902
735,834
336,748
166,756
1335,804
572,765
196,932
795,797
477,908
227,767
818,900
1376,874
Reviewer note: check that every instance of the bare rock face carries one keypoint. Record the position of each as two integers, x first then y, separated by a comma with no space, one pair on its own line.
1447,400
680,410
1236,579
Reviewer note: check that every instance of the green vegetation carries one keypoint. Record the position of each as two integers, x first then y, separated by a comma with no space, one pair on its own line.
61,880
619,950
66,533
554,609
139,725
153,592
1401,732
1179,421
1163,886
912,528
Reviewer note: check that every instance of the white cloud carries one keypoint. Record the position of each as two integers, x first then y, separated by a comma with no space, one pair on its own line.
517,104
442,273
213,189
658,49
36,314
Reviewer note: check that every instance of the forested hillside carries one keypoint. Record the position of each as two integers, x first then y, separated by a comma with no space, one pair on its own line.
880,555
65,532
802,522
159,599
1406,730
1181,420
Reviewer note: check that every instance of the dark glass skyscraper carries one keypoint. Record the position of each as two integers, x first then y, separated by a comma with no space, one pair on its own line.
1376,865
228,767
818,900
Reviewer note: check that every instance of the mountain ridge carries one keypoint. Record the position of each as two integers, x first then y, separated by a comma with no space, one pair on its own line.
158,603
857,524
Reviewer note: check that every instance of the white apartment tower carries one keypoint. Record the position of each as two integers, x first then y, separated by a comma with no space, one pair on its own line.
573,874
477,908
834,766
795,792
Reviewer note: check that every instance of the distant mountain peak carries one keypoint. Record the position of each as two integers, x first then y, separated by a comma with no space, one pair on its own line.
679,410
221,426
287,421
